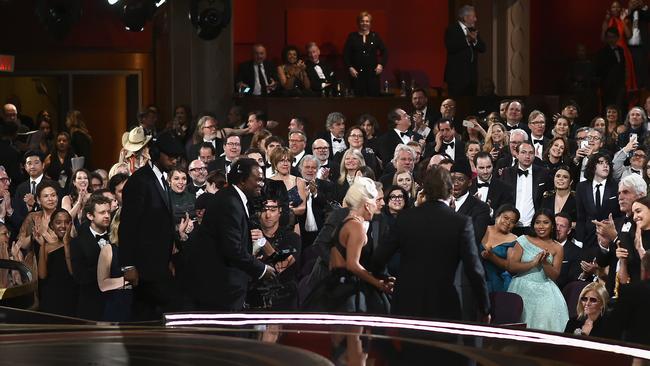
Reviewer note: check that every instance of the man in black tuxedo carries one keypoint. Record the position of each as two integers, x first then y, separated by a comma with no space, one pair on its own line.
198,173
479,212
297,145
321,76
596,198
320,192
610,67
620,231
509,159
232,151
515,116
221,261
257,76
321,150
573,254
24,200
209,126
84,253
146,233
463,46
446,141
335,126
486,187
630,314
428,262
420,103
528,182
537,127
400,133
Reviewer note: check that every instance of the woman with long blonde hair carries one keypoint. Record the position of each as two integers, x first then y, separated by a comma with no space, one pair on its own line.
496,140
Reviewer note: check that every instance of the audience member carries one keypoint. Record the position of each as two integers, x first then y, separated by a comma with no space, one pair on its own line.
321,76
463,46
573,264
365,57
80,191
496,244
80,139
292,75
592,319
257,76
561,198
486,187
58,164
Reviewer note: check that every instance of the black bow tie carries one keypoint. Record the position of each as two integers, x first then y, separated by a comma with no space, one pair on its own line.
635,171
402,134
449,144
100,237
541,142
522,172
481,185
227,163
337,140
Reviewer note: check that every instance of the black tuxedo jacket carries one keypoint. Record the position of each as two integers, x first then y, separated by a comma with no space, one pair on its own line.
570,269
246,74
389,141
319,203
428,262
608,258
327,136
146,230
462,60
611,69
499,193
84,254
193,152
221,260
586,210
459,148
479,211
218,164
314,80
539,182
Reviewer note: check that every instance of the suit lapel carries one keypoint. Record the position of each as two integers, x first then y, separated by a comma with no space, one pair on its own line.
466,206
164,195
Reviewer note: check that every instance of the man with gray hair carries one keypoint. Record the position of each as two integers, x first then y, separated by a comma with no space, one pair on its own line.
463,46
319,192
403,159
592,143
321,150
618,234
335,130
509,159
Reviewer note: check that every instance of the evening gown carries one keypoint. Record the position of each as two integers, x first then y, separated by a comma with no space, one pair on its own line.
118,301
498,279
544,305
58,292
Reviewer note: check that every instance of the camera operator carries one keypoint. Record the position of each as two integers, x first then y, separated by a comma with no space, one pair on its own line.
277,242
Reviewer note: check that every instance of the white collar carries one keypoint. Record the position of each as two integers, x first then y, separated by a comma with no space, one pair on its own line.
463,27
243,198
478,180
593,183
563,242
460,200
159,174
96,233
37,180
334,137
527,169
299,156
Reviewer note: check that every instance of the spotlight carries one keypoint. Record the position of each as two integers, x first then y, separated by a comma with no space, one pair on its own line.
113,2
136,13
160,2
58,16
211,20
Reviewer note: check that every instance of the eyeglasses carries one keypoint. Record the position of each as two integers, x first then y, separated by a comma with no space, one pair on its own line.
396,197
296,140
5,179
637,155
5,233
356,136
233,144
591,300
593,138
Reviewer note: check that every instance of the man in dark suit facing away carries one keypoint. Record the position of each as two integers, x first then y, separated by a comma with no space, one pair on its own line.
221,260
463,46
630,314
146,233
428,262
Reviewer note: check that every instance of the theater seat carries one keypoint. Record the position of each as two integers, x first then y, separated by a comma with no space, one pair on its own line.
507,307
571,294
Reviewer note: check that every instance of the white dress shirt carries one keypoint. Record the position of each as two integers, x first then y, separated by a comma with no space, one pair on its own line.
602,190
405,139
451,151
483,191
337,146
460,200
257,88
297,158
524,201
159,176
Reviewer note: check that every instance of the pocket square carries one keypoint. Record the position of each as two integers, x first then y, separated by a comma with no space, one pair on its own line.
611,198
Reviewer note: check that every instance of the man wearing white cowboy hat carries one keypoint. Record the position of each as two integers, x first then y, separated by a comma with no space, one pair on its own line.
135,151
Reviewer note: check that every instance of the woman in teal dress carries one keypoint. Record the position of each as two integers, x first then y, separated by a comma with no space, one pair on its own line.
536,260
495,245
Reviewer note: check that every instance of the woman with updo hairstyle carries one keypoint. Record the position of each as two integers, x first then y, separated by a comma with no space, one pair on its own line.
350,287
592,319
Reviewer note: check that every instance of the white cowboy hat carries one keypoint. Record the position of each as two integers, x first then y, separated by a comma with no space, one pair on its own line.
135,139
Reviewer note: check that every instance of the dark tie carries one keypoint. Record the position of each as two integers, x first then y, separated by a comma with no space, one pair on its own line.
260,75
164,183
541,142
337,140
402,134
449,145
598,196
33,187
482,185
635,171
522,172
103,236
227,163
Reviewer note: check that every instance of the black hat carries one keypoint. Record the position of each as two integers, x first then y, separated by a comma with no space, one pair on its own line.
462,166
169,144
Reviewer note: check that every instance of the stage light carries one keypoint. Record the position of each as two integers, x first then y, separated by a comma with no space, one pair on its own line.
58,16
211,20
113,2
135,14
160,2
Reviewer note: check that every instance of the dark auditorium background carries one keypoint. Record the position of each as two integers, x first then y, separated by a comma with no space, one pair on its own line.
108,73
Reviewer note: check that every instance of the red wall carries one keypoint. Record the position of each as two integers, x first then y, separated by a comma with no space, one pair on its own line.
412,30
556,27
